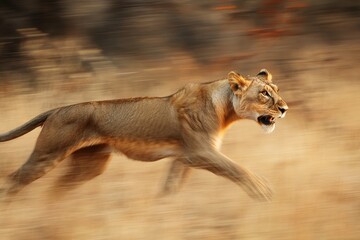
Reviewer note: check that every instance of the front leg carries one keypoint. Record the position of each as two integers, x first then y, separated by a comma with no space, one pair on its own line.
219,164
177,174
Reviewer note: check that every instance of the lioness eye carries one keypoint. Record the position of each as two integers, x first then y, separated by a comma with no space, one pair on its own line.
265,93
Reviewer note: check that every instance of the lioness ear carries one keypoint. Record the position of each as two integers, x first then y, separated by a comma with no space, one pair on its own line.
265,74
236,81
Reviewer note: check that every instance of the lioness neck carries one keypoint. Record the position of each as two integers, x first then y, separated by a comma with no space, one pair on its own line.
206,107
222,96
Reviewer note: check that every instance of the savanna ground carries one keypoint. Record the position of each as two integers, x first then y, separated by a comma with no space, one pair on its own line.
311,159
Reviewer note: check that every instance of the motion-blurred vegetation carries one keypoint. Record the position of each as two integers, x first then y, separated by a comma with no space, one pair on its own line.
67,37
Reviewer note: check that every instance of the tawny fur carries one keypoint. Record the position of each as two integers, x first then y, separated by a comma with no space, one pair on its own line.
187,126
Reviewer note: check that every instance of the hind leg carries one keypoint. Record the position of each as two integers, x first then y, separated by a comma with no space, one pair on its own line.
85,164
35,167
56,141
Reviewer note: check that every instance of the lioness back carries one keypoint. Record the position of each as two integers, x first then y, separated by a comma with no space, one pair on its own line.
132,118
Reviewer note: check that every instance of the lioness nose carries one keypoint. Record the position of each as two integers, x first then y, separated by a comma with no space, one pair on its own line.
283,109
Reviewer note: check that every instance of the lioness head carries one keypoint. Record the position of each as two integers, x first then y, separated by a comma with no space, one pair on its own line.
257,98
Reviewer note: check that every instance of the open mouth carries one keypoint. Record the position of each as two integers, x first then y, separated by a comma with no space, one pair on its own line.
266,119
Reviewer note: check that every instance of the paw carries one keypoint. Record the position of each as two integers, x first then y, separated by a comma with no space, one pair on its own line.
169,188
257,188
4,198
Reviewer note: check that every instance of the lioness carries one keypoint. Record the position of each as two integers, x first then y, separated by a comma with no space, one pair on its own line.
187,126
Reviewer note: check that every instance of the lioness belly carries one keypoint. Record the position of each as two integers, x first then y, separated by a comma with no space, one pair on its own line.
147,150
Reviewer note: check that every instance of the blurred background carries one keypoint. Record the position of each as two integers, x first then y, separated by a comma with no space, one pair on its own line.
59,52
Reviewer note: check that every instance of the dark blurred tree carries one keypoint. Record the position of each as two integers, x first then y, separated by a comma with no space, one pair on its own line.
153,29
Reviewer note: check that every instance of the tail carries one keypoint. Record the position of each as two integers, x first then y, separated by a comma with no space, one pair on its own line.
26,127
